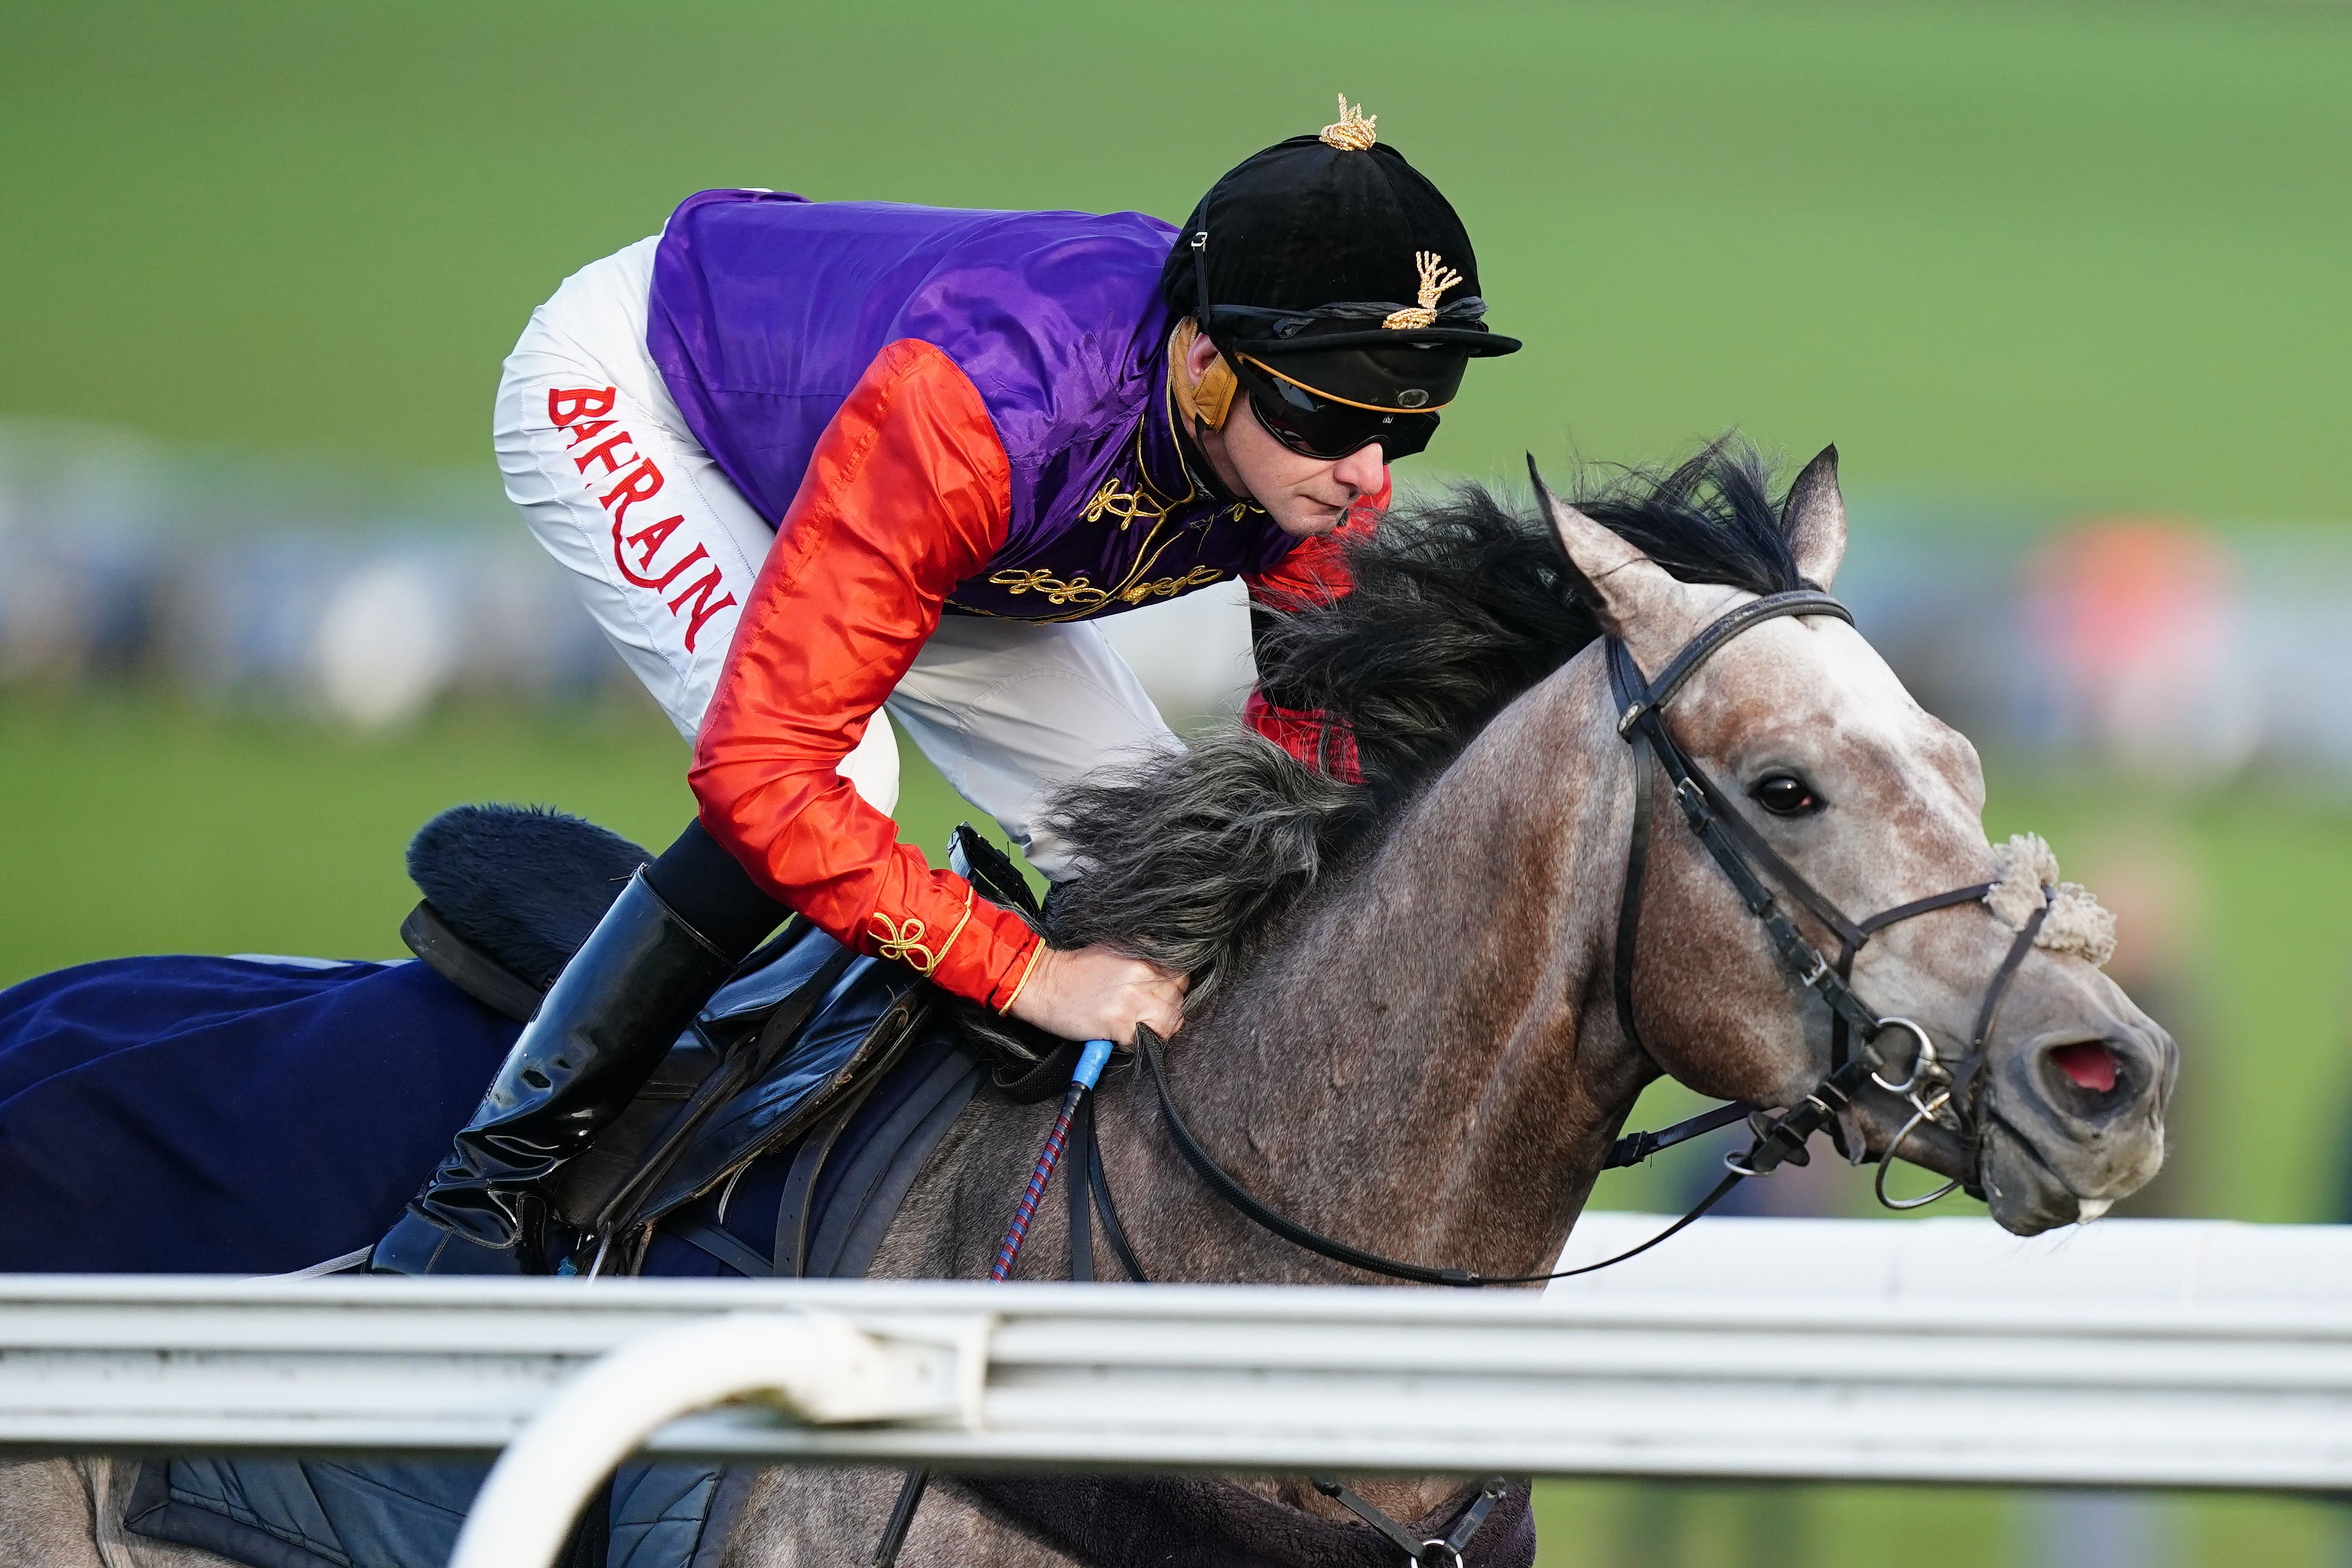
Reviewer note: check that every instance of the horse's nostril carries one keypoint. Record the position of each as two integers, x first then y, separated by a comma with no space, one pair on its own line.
2090,1065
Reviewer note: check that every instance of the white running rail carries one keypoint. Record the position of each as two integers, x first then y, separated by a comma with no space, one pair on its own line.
2124,1354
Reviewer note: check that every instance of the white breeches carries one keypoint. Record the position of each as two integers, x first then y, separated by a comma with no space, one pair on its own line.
1007,711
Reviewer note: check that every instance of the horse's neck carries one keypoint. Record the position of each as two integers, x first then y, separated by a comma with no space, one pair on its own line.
1412,1070
1427,1064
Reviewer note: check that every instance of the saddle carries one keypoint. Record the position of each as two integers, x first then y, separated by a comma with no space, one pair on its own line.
786,1052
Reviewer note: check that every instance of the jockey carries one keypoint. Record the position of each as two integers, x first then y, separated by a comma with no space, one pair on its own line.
807,462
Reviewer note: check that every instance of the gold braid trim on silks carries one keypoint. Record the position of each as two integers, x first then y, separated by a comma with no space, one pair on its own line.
1355,132
1169,587
1018,581
1027,969
903,943
1437,277
1110,501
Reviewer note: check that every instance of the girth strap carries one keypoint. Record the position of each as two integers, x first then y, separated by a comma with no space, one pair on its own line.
724,1246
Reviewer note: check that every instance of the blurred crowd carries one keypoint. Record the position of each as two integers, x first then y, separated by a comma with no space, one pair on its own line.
2158,648
334,594
2154,646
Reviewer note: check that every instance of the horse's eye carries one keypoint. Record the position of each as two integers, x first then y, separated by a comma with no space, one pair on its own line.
1785,795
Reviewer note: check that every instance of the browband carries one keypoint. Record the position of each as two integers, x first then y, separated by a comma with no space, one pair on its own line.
1772,606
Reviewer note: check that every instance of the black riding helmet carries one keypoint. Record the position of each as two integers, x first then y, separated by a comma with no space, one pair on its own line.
1339,285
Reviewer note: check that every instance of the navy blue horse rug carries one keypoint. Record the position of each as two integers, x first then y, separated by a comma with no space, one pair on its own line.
226,1115
252,1116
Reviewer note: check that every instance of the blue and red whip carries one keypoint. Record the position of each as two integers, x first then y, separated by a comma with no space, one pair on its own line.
1082,1084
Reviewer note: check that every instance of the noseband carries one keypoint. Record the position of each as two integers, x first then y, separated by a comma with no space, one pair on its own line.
1947,1096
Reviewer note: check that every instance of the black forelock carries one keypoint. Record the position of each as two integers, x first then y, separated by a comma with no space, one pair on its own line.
1712,519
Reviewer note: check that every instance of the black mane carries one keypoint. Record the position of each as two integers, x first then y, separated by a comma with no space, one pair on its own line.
1461,603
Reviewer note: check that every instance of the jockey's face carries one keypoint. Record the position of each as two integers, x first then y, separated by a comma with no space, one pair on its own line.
1305,496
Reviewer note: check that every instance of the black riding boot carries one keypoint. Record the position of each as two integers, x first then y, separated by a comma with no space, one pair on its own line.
626,996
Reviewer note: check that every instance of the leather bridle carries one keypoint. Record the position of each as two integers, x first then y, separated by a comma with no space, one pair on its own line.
1945,1095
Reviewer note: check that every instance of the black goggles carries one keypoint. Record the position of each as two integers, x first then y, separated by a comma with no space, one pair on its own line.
1316,424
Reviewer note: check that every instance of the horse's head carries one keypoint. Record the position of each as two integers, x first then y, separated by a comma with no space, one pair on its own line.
1875,803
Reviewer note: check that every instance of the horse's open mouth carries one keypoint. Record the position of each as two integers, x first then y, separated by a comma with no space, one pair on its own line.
2088,1065
2072,1120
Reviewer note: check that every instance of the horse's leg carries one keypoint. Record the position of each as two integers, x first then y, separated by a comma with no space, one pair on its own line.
831,1518
46,1520
68,1513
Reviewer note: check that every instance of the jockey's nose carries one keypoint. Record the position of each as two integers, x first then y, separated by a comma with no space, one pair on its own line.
1365,470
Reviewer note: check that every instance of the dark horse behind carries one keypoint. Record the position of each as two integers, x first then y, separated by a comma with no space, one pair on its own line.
1422,1007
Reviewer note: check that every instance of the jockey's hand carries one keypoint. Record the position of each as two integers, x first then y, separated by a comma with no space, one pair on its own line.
1094,993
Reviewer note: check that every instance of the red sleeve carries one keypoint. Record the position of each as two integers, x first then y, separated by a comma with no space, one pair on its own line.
907,494
1316,572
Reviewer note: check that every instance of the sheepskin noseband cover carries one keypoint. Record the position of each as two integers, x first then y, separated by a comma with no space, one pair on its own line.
2029,873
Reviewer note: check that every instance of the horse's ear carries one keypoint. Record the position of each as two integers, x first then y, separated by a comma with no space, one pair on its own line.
1617,582
1814,520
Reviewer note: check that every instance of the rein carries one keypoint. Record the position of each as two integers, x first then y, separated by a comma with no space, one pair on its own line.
1934,1092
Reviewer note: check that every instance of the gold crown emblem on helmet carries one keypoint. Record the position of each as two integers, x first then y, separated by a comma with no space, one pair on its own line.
1354,132
1437,277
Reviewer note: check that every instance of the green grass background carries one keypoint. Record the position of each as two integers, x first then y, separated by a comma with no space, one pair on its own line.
2013,258
2090,252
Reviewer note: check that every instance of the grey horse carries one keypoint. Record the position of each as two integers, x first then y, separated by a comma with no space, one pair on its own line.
1401,1029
